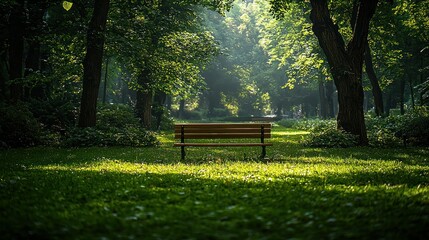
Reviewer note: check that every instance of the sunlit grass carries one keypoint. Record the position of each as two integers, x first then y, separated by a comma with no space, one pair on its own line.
216,193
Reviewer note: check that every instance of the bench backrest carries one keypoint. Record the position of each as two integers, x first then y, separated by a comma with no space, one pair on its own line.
222,130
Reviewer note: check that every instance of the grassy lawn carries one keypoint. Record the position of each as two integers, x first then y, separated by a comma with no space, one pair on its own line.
217,193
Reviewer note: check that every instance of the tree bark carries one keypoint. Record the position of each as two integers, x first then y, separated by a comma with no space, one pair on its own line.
16,49
144,108
182,108
159,100
4,76
375,86
92,63
329,91
411,86
345,62
323,100
34,29
144,100
106,74
402,95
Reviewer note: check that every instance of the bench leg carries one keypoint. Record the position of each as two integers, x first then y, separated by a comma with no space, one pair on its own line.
264,152
183,152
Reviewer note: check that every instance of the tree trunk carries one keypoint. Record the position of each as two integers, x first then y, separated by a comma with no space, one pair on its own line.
144,100
329,93
159,102
345,62
402,95
376,90
92,63
4,76
33,63
16,49
411,85
323,100
144,108
106,74
422,80
279,108
182,108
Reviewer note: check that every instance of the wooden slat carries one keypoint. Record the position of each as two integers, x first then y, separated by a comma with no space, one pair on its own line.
222,144
222,125
222,130
221,135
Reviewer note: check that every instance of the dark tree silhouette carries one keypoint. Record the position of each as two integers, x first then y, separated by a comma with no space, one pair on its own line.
92,63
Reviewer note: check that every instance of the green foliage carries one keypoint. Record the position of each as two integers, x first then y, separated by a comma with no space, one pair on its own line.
166,122
189,115
116,116
414,126
287,123
55,114
101,136
330,137
308,124
18,126
116,126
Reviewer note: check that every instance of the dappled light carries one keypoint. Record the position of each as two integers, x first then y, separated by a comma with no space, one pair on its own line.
148,192
220,119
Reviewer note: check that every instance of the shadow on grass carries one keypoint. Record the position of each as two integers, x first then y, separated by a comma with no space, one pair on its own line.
81,204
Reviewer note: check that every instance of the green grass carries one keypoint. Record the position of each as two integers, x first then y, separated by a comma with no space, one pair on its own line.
217,193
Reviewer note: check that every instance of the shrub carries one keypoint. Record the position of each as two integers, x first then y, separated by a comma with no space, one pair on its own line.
308,124
116,116
414,125
116,126
189,115
166,121
330,137
382,138
56,114
96,136
416,131
219,112
288,123
18,127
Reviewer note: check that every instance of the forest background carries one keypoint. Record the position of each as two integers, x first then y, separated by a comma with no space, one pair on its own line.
110,72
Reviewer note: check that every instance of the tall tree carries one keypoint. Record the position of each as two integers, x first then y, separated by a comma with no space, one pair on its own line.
92,63
346,61
17,21
376,90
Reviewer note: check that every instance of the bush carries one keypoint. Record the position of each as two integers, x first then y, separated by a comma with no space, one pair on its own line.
416,131
383,138
287,123
166,121
308,124
219,112
127,136
116,116
116,126
414,125
189,115
56,114
331,137
18,127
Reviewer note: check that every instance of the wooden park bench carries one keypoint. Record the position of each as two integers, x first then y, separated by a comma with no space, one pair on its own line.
185,131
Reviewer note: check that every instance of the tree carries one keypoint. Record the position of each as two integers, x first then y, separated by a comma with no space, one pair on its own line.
92,63
16,29
376,90
345,61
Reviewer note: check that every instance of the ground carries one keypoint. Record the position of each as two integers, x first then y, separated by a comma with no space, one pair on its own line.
216,193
